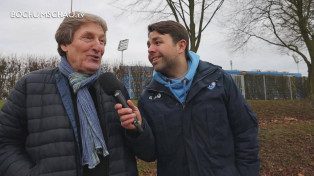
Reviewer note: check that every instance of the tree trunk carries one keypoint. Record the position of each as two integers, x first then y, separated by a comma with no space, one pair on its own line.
311,82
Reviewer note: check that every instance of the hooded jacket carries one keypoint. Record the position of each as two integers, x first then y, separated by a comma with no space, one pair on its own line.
39,135
212,133
180,86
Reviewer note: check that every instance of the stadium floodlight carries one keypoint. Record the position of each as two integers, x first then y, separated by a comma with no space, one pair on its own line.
71,5
123,45
296,60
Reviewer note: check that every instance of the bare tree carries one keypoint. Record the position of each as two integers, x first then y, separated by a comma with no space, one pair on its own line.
120,71
3,76
287,24
141,76
195,15
12,68
105,67
33,63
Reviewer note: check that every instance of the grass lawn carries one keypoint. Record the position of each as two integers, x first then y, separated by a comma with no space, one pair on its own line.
287,148
1,103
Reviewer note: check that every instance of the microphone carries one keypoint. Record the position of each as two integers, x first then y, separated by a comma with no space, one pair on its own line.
111,85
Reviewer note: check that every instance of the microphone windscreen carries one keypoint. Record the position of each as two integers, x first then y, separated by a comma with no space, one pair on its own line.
109,82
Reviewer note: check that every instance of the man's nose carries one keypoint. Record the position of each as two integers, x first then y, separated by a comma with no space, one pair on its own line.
151,49
98,46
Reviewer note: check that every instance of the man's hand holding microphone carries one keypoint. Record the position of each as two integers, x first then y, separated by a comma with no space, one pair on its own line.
128,114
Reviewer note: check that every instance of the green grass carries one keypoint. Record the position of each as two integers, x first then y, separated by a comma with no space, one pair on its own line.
269,110
134,102
146,168
1,103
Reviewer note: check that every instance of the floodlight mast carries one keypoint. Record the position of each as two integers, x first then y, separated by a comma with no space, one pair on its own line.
123,45
231,64
71,5
296,60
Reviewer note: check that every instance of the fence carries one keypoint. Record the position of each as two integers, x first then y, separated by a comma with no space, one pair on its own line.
256,87
239,80
267,87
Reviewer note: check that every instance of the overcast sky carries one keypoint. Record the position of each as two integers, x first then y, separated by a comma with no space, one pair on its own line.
25,35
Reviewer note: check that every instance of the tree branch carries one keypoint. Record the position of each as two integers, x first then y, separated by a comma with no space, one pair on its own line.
210,19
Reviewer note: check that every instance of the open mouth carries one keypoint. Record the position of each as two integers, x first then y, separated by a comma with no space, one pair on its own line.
95,57
154,60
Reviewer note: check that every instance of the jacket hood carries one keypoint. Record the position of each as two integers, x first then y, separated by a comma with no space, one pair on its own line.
180,86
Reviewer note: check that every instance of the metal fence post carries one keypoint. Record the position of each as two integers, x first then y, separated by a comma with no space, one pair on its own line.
243,85
290,87
265,87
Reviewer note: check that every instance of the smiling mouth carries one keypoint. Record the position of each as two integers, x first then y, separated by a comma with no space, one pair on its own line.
155,59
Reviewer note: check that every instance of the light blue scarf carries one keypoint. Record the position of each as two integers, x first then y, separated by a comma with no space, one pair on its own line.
93,142
179,87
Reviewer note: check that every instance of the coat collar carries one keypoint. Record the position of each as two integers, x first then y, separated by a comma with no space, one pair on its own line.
206,73
203,69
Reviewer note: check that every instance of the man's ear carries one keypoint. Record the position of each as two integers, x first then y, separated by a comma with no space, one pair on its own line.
181,46
64,48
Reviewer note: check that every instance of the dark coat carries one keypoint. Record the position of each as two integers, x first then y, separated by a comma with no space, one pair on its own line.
214,133
38,134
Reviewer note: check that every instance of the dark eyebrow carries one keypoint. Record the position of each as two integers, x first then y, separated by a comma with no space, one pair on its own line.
90,33
87,33
156,38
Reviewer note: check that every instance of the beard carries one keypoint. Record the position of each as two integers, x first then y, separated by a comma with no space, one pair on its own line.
165,65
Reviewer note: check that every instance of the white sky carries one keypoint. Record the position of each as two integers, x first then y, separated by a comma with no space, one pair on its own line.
35,36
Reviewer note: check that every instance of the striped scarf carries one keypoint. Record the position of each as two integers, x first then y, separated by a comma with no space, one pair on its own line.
93,142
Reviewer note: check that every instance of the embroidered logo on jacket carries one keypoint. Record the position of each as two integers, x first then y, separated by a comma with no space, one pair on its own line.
156,96
212,85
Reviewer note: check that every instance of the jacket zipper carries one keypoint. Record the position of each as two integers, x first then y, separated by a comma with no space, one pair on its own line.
102,120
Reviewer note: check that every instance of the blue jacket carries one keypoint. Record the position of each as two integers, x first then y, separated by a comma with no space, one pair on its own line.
213,133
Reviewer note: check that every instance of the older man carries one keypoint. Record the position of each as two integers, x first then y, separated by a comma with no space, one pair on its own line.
60,122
